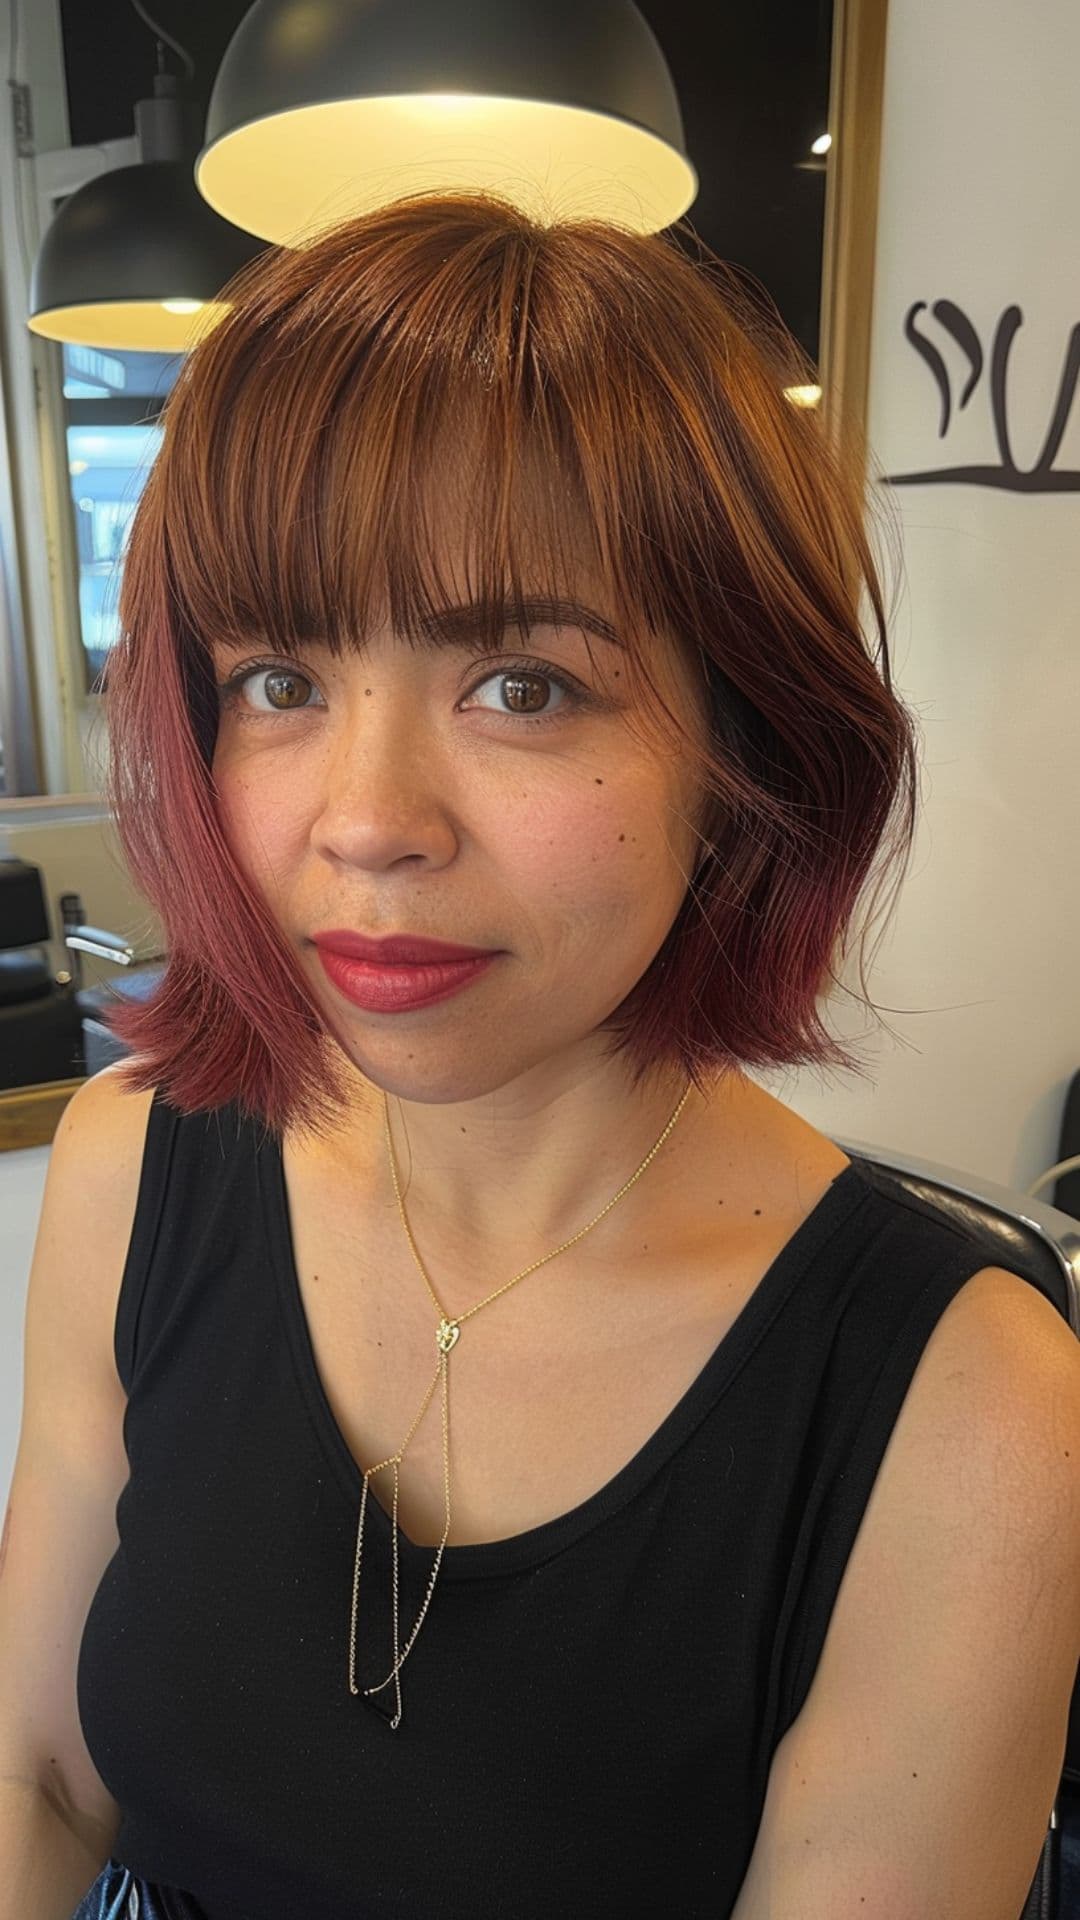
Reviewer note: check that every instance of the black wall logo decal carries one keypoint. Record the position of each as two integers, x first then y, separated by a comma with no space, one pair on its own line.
1041,478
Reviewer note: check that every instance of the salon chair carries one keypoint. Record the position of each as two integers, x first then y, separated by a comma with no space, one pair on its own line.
52,1025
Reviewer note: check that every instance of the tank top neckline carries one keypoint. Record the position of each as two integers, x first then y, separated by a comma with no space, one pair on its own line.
481,1559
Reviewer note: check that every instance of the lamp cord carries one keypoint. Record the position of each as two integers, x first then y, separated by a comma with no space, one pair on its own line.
166,37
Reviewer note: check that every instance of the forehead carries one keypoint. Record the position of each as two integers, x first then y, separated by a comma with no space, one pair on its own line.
548,523
551,576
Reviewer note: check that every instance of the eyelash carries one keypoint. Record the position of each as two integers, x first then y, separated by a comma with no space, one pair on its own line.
578,698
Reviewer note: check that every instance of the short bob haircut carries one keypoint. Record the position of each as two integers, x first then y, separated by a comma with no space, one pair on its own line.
612,386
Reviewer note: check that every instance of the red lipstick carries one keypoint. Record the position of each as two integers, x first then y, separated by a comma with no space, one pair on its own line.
394,949
399,973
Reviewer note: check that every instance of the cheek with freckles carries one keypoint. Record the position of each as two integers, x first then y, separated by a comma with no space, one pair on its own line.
266,824
601,869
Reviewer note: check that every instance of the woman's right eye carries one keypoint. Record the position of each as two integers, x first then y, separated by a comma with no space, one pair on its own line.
232,693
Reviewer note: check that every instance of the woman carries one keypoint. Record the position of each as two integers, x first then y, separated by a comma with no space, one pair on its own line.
490,589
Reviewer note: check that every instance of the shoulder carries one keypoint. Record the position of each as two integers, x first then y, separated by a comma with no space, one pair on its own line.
96,1162
1006,1335
988,1437
105,1118
87,1213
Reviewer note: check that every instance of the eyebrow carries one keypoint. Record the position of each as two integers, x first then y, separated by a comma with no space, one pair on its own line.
463,625
466,625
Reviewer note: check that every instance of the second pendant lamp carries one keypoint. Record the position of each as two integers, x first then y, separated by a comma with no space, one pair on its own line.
135,258
325,109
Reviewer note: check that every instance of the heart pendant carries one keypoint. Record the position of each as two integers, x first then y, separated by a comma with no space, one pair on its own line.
446,1335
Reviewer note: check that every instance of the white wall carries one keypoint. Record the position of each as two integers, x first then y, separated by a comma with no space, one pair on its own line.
979,207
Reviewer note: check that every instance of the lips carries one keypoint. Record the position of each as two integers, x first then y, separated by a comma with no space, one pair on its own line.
396,949
402,989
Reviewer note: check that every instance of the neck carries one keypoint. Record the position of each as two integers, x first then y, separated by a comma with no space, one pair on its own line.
520,1170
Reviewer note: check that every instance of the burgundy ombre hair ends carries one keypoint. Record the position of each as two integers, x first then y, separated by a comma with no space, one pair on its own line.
613,388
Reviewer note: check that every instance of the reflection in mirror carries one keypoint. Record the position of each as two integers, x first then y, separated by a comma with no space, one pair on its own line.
74,937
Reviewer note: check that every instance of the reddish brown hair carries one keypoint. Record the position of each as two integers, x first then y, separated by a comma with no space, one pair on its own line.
648,391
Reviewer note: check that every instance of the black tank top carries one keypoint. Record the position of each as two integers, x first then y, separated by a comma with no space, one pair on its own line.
591,1707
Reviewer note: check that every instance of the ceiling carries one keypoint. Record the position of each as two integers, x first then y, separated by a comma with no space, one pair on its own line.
752,80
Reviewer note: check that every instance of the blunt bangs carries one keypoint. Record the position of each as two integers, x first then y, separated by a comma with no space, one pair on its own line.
565,400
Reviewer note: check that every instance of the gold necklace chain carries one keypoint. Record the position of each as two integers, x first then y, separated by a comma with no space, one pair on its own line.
447,1334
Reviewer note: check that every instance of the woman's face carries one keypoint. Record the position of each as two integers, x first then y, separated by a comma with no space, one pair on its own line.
470,798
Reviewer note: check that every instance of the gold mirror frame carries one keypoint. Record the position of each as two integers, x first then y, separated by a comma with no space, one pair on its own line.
856,95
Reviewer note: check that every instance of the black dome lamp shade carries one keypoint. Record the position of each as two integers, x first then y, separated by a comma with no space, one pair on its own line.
135,258
325,109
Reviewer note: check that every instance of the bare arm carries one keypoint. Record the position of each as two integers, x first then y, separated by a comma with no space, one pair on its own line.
918,1780
49,1859
58,1821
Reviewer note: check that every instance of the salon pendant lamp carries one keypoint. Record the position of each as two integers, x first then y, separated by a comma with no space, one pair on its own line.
135,258
325,109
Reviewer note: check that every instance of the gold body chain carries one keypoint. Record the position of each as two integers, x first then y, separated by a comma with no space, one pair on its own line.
447,1334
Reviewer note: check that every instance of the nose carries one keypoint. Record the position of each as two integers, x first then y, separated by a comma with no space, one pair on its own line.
387,791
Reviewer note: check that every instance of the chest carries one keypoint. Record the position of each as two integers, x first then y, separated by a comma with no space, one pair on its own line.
554,1386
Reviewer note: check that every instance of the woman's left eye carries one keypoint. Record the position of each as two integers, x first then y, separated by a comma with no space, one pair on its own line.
519,676
230,691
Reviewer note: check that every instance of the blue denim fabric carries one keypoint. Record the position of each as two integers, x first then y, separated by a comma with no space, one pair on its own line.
119,1894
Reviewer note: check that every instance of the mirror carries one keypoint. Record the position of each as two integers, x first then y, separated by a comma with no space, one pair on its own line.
72,933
